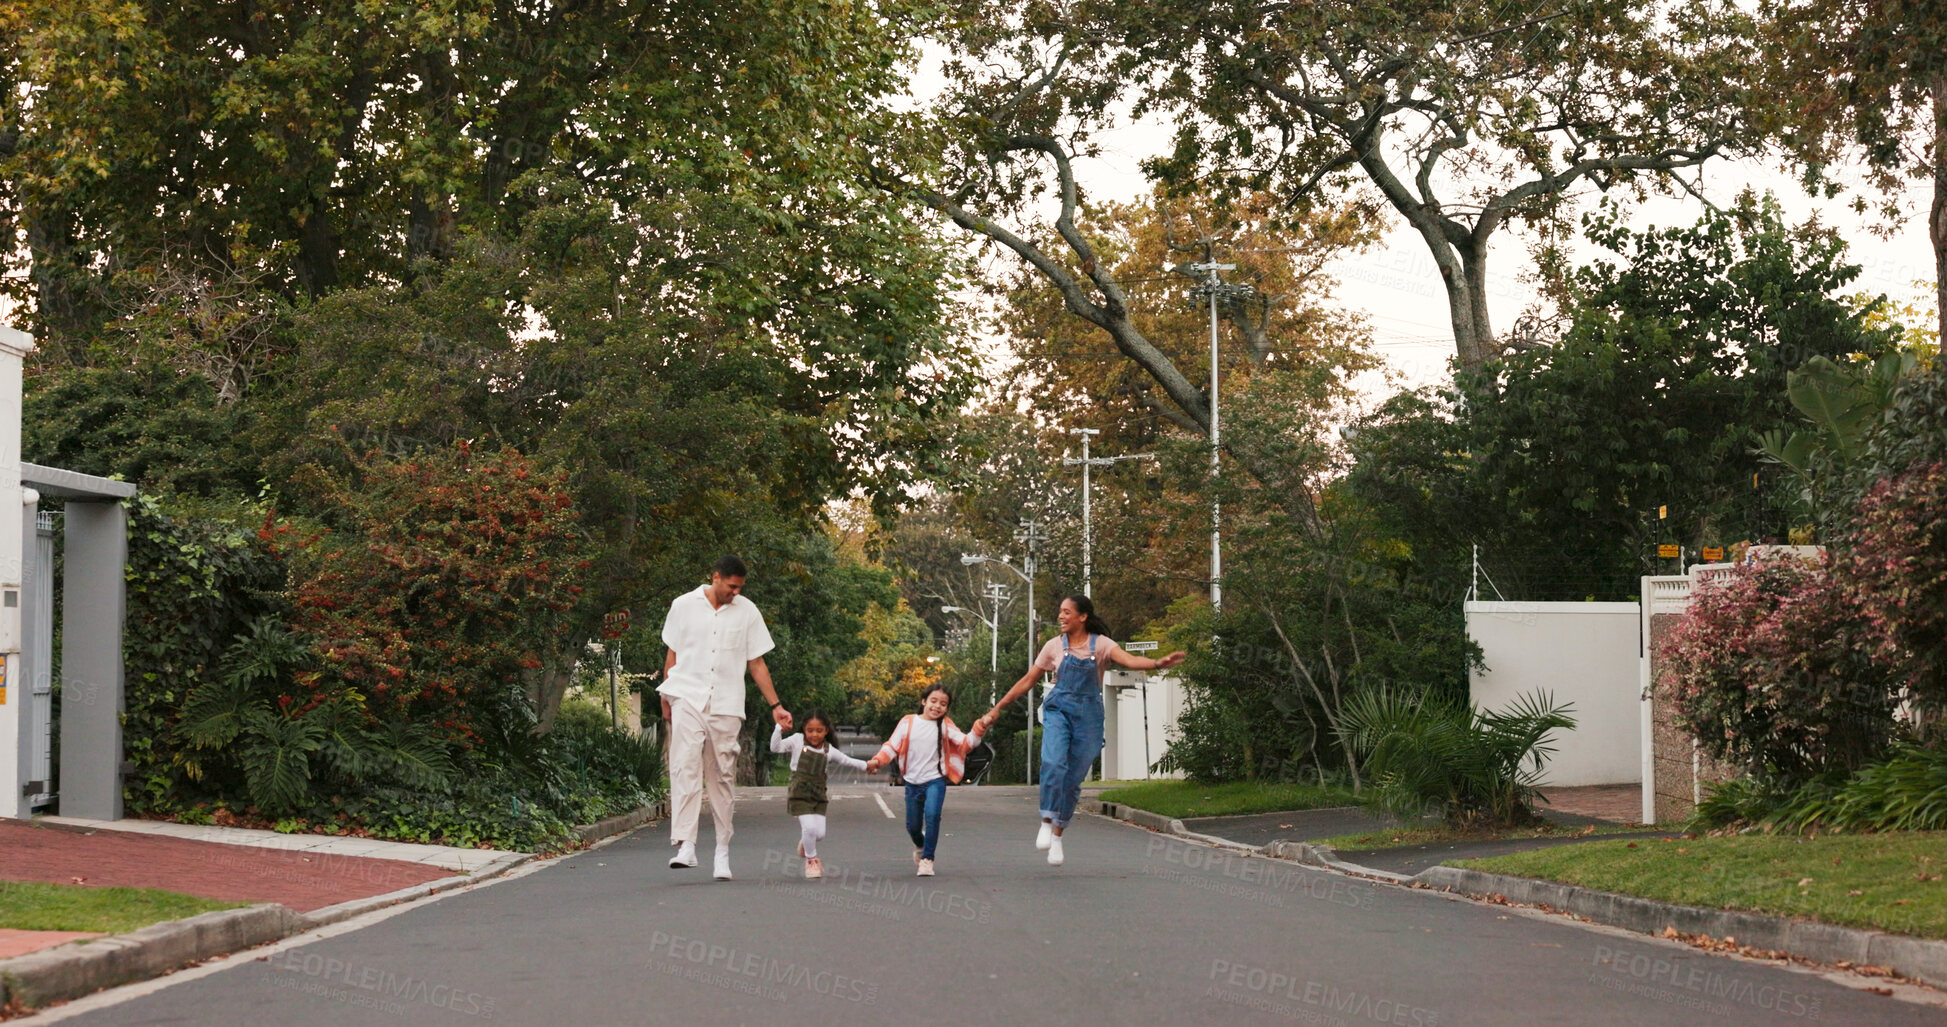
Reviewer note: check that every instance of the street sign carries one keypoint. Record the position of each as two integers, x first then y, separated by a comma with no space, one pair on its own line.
616,624
1141,647
1713,553
1668,552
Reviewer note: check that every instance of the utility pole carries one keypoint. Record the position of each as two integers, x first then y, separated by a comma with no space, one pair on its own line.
1088,534
1031,536
1215,287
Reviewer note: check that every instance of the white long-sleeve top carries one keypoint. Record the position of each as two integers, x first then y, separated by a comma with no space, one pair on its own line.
794,744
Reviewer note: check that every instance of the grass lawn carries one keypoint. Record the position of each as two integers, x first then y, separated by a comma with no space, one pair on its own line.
1435,833
35,906
1892,881
1183,799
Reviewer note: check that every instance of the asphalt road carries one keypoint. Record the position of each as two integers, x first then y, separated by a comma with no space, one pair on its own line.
1136,928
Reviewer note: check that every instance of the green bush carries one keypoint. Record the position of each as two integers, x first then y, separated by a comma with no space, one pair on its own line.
1907,791
195,584
1478,767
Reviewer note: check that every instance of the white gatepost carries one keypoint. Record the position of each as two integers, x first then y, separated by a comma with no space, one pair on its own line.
16,747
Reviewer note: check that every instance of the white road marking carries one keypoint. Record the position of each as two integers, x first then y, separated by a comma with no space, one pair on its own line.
883,808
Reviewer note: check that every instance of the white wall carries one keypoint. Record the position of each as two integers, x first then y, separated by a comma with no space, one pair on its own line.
16,745
1582,653
1123,756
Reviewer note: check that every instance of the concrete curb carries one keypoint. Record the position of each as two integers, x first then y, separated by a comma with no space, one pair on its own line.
601,829
1921,959
1320,855
71,971
1309,853
358,907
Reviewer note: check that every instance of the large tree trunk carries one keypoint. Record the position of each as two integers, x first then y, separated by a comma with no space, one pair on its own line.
549,683
1462,260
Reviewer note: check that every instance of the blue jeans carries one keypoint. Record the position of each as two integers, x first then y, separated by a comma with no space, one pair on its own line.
923,803
1071,738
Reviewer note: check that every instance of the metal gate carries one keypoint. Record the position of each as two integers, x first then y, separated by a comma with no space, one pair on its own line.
37,659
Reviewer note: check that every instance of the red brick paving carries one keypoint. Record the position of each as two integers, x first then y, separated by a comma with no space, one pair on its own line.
19,943
1617,804
211,870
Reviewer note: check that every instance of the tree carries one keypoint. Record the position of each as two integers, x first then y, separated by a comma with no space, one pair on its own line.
336,143
1865,77
1672,367
1463,118
1013,139
687,426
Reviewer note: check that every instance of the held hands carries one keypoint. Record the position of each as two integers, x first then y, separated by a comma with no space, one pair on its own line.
872,765
986,722
1172,659
782,716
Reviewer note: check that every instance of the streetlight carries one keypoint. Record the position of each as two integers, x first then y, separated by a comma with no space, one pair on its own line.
1088,535
1032,535
998,593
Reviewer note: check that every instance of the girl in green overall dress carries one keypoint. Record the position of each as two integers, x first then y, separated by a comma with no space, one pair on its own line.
806,797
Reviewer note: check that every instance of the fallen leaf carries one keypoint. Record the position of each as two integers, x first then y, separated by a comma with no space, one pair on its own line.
1631,845
1855,891
1803,881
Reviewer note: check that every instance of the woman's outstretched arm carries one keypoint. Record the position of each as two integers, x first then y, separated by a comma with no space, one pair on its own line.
1134,662
1020,688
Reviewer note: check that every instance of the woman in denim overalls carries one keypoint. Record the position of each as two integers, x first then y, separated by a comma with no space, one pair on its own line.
1071,715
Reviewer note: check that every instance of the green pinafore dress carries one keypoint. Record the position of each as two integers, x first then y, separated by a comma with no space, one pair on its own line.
806,793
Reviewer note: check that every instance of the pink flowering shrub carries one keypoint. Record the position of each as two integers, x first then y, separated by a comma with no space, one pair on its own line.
1771,671
1897,577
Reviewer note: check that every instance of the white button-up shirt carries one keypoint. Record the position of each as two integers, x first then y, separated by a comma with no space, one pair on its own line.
713,645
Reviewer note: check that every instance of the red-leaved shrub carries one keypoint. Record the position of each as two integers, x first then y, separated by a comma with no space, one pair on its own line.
449,575
1896,575
1771,671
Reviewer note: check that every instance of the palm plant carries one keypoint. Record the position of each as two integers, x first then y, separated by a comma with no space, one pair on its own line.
236,721
1425,752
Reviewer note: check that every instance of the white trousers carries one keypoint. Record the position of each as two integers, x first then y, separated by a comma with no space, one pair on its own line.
811,827
703,752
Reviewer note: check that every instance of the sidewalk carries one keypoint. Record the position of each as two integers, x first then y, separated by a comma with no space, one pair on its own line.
302,872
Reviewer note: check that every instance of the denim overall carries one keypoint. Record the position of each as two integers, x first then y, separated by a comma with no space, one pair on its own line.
1071,733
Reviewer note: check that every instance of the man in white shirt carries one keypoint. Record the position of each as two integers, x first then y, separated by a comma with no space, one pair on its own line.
714,635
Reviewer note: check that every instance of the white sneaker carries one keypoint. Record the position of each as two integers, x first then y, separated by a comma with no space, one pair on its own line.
1046,837
1054,851
685,856
723,865
925,868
